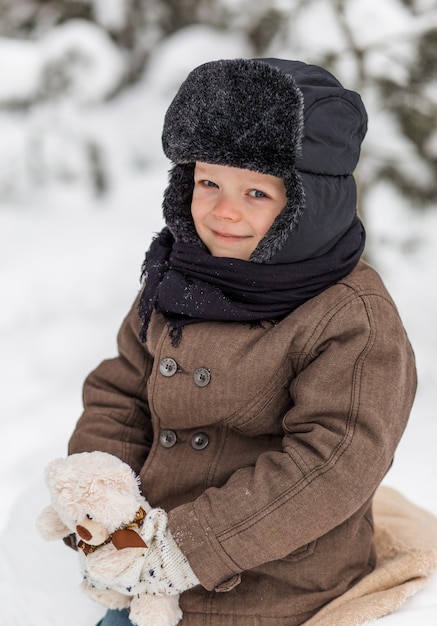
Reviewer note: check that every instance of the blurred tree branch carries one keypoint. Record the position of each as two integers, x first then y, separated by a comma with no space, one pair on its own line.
397,75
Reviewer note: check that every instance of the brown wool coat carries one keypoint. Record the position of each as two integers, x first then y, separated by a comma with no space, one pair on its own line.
300,420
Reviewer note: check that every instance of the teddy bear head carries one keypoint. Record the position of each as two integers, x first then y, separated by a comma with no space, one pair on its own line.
93,493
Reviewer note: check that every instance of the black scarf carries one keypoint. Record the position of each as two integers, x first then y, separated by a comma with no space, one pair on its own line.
188,285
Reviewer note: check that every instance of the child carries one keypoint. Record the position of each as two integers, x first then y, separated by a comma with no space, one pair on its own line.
264,378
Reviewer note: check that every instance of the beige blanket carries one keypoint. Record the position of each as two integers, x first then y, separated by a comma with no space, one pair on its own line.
406,545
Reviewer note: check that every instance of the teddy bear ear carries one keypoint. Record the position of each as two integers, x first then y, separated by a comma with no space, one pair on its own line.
53,472
50,525
126,481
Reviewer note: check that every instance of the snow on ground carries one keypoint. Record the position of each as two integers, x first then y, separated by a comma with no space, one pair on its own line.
69,274
70,268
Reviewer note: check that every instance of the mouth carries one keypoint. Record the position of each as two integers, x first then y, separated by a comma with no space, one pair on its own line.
229,236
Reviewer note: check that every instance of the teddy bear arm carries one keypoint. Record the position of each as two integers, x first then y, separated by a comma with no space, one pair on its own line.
110,598
50,524
155,610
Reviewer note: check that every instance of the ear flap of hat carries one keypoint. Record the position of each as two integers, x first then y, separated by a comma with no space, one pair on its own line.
177,204
334,148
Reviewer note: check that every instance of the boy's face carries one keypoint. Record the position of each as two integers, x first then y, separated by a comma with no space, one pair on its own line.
233,208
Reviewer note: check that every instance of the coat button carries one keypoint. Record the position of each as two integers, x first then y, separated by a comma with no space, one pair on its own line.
167,438
199,441
202,376
168,367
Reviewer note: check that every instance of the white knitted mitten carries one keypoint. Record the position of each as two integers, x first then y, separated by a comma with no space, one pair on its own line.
165,568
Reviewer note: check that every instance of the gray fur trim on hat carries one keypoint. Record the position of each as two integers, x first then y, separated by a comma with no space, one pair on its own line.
177,204
239,113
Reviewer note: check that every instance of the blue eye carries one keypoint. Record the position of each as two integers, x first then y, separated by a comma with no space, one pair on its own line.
209,183
256,193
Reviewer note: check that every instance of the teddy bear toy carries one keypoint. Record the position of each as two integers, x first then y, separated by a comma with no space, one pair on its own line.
96,497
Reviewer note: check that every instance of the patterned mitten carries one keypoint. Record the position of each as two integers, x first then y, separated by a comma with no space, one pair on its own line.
165,568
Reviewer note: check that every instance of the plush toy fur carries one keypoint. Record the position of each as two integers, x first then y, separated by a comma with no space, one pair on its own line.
97,497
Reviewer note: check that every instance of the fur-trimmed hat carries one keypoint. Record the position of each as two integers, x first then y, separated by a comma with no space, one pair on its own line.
283,118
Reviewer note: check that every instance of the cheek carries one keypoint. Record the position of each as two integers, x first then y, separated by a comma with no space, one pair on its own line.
263,224
197,212
272,214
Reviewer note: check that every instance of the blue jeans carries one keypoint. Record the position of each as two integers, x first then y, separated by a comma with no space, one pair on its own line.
116,618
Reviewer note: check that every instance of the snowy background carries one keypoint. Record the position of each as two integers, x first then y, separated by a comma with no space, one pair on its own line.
81,181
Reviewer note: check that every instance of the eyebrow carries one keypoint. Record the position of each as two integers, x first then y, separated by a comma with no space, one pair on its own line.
200,167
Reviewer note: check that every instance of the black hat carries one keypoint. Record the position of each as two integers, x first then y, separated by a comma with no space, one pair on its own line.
283,118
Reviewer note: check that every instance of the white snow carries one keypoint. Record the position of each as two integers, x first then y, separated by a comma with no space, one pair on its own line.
70,265
19,70
76,58
110,13
375,21
90,64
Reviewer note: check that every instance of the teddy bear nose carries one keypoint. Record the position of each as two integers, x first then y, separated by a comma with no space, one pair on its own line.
83,533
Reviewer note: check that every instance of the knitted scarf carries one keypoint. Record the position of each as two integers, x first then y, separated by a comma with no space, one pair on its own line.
188,285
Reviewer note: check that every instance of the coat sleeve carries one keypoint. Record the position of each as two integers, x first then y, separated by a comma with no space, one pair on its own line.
116,416
351,400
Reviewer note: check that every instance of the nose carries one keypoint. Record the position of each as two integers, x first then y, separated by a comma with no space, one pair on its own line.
227,208
83,533
92,531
